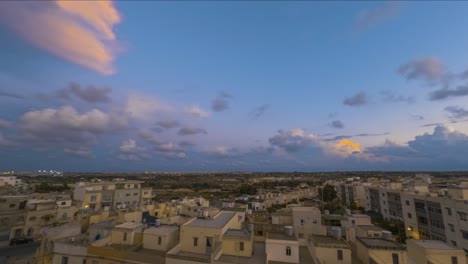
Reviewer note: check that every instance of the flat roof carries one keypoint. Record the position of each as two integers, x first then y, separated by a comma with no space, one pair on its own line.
328,241
161,230
218,221
380,243
129,225
371,227
234,233
433,244
280,236
334,217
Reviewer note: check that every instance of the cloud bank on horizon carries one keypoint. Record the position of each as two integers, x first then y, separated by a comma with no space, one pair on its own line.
255,96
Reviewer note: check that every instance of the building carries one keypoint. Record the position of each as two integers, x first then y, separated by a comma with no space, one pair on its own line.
162,238
281,248
380,251
433,252
329,249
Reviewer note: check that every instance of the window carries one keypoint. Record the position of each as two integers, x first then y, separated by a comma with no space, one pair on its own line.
125,236
314,221
301,235
84,261
12,205
64,260
159,240
454,260
145,193
462,216
395,258
409,215
407,203
451,227
135,186
302,221
454,243
449,210
63,203
64,216
29,233
195,241
128,195
104,187
339,254
288,251
241,246
93,198
135,194
464,234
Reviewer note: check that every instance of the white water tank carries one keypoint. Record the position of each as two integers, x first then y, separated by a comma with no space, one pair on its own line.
288,230
387,235
336,232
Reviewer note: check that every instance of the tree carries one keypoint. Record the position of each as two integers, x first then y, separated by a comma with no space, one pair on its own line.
327,193
247,189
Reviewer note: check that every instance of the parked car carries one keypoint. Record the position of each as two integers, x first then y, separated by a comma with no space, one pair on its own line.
20,241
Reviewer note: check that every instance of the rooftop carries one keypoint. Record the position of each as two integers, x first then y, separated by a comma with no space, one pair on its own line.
332,217
433,244
129,225
234,233
371,227
280,236
218,221
165,229
328,241
380,243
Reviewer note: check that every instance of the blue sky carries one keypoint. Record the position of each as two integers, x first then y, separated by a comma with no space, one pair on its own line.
267,86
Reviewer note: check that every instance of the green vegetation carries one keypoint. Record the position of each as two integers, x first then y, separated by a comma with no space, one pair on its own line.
329,193
247,189
45,188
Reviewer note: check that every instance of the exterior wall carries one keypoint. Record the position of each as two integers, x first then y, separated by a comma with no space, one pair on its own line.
330,255
378,255
306,221
276,250
421,255
92,200
232,247
168,241
126,197
133,236
57,259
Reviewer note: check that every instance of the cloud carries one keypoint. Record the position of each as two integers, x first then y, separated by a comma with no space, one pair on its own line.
443,148
345,147
67,127
293,140
79,31
432,125
259,111
457,112
11,95
356,100
416,117
130,151
377,15
166,149
90,94
223,151
337,124
145,107
186,144
5,123
81,152
186,131
221,103
392,97
168,124
429,69
445,93
340,137
196,111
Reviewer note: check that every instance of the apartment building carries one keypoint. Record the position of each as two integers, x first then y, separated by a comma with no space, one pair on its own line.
105,195
380,251
352,195
433,252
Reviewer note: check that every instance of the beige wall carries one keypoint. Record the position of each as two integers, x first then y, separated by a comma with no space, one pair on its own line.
276,250
168,241
330,255
379,255
420,255
231,247
133,236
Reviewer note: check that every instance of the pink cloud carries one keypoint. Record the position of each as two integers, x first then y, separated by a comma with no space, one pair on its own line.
78,31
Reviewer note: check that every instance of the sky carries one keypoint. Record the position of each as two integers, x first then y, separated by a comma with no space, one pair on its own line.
233,86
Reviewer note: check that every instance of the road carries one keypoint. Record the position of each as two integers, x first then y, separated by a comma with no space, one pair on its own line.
20,251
